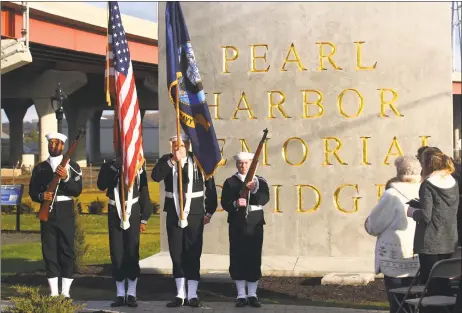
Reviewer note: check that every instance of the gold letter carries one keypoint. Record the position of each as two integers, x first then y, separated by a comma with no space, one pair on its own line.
225,56
304,149
317,102
216,105
247,108
334,152
365,162
300,200
253,65
358,58
400,152
245,148
272,105
321,56
340,103
297,59
276,199
424,140
380,188
221,150
219,198
383,103
355,201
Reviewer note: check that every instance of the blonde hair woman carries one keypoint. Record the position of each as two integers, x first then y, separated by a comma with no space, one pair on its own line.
394,256
436,230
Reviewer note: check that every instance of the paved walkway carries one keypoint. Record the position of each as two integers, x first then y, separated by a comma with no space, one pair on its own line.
218,307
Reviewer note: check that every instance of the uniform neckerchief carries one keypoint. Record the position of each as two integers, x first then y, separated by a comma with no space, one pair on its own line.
241,177
125,225
175,195
54,161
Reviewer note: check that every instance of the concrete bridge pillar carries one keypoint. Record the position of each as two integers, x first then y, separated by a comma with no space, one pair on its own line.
77,117
47,124
94,137
15,110
41,90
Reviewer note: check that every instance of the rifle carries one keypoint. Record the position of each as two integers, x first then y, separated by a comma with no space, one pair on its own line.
244,193
117,135
53,185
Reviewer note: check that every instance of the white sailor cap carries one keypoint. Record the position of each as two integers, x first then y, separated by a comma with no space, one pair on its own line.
243,156
59,136
182,136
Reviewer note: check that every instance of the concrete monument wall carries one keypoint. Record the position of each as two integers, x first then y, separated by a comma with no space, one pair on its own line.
381,88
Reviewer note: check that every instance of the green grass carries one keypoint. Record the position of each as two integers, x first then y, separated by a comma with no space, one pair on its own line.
30,251
14,256
25,257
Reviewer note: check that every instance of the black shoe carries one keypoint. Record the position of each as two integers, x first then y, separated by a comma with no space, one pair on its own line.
253,302
131,302
241,302
177,302
120,301
194,302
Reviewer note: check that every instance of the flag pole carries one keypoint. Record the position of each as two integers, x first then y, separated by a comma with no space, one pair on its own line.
108,72
179,142
118,133
118,129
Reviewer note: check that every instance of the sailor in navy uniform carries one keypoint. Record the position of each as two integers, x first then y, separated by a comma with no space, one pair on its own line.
246,220
124,237
57,234
185,241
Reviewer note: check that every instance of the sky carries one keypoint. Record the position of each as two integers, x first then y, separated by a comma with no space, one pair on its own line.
144,10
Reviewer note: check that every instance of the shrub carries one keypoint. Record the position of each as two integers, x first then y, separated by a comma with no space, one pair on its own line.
79,206
81,247
26,170
31,301
26,208
8,209
155,207
96,207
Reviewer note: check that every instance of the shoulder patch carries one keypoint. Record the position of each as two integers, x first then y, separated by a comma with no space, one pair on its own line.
78,173
77,178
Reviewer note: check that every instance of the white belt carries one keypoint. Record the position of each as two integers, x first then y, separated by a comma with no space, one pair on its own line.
112,202
196,194
62,198
255,208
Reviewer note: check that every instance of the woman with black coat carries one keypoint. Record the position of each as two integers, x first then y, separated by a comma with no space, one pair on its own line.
436,231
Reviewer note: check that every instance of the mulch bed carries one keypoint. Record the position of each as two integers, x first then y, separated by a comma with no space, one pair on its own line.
95,283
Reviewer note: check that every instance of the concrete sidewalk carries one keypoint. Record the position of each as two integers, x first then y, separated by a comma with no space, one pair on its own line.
217,265
219,307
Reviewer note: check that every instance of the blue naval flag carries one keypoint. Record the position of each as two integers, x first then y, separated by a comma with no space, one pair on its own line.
182,70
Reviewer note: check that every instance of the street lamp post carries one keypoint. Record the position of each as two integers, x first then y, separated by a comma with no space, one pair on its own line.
57,104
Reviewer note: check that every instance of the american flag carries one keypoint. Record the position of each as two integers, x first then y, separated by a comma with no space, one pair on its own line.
121,86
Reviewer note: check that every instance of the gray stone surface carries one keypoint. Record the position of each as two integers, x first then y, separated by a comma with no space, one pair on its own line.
347,279
219,307
413,57
215,266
